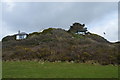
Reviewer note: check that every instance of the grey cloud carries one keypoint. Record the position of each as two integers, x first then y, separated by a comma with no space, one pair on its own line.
32,16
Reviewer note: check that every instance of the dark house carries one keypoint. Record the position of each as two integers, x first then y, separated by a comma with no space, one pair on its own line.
78,28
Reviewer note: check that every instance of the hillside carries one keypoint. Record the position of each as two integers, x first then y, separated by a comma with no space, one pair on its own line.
60,45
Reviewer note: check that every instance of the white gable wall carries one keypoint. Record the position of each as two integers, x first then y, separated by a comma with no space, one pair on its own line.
21,37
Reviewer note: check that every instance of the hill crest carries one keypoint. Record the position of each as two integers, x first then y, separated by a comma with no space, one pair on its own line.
60,45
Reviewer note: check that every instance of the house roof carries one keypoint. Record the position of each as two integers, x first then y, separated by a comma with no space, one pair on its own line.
22,33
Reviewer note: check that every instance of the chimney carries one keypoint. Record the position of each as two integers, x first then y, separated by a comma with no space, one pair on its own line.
19,32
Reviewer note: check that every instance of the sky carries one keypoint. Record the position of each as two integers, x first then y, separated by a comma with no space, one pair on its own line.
98,17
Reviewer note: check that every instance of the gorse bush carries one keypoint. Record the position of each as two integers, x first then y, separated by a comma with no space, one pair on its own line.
47,30
60,45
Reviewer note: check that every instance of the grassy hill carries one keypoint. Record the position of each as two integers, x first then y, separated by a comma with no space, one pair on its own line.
60,45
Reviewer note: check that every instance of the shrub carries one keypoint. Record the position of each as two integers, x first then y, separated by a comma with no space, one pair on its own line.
47,30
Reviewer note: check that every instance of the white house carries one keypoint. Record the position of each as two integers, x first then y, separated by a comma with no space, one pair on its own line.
21,35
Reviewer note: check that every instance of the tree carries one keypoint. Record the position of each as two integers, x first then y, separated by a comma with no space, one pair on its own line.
77,27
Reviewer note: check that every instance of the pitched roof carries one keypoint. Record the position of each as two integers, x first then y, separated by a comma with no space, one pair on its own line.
21,33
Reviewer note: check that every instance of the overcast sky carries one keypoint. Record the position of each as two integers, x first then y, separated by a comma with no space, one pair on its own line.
30,17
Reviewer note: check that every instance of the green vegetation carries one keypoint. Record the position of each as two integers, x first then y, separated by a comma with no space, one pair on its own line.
78,36
34,33
60,45
47,30
9,38
34,69
0,68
